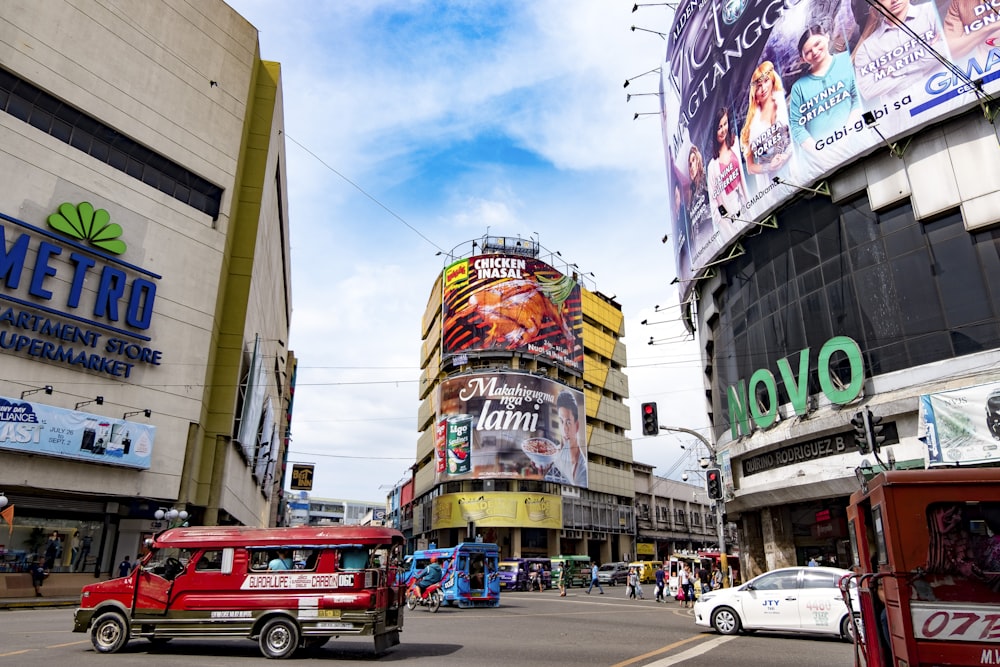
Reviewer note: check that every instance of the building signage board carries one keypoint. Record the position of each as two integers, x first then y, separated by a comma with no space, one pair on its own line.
525,510
510,426
510,303
47,314
761,96
302,477
36,428
962,426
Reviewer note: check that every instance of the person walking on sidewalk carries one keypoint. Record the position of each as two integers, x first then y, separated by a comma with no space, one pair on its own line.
561,579
594,579
38,574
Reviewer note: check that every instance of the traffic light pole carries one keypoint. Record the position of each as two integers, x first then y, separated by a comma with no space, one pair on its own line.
719,504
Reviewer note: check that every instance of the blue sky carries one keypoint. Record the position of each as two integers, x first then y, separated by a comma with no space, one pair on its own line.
413,127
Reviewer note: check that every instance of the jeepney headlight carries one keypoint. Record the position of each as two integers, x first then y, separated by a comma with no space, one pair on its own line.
85,595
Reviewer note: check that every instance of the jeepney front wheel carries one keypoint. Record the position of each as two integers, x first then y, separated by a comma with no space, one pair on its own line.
279,638
109,632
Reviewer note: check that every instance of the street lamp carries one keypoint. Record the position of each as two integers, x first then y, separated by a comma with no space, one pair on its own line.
720,504
47,389
171,515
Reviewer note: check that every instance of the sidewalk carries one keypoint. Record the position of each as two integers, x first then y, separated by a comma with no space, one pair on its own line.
61,589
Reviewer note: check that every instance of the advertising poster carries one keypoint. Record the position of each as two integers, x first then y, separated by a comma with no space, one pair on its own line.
961,427
36,428
510,426
760,94
526,510
502,302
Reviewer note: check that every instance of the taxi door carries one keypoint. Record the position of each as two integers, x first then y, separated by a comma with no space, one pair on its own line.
821,603
773,601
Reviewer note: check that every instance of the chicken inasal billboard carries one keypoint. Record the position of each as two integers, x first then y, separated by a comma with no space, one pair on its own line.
760,94
501,302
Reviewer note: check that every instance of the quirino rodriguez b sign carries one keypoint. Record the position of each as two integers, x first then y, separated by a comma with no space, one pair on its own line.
46,313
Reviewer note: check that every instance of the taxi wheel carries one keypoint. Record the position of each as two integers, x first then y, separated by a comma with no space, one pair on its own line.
725,621
279,638
109,633
847,628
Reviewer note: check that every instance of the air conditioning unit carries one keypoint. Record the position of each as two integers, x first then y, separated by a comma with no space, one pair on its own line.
571,534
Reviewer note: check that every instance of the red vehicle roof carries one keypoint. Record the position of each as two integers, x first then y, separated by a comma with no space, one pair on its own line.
198,537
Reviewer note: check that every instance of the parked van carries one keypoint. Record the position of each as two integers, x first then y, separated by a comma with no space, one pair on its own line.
577,569
233,581
471,577
647,569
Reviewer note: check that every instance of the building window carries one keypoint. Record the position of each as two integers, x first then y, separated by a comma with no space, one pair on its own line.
56,118
909,292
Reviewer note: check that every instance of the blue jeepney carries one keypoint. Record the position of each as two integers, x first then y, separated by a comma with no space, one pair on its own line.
471,577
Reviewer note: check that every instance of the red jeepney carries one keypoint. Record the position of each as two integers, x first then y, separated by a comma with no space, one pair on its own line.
926,546
287,588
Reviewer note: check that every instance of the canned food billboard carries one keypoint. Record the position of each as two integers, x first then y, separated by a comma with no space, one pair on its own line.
510,426
502,302
758,97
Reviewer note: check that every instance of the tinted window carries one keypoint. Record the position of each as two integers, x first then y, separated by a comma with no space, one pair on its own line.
814,579
777,581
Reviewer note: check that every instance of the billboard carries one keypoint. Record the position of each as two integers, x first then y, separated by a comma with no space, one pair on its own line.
510,426
962,426
525,510
36,428
760,96
510,303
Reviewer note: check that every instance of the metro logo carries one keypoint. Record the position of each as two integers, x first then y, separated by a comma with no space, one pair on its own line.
85,223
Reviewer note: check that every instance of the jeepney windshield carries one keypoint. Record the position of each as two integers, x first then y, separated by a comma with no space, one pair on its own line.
168,562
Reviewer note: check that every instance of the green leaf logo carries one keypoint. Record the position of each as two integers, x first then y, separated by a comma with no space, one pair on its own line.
84,223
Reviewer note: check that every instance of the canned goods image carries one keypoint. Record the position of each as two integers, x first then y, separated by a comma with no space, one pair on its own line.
459,444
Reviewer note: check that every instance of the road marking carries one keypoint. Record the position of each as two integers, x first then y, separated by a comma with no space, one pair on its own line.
668,647
686,655
7,655
76,643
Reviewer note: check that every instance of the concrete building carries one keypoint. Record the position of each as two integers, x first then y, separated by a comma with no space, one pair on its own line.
523,418
144,273
849,271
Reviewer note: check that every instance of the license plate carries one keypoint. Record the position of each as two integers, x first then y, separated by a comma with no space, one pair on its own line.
332,625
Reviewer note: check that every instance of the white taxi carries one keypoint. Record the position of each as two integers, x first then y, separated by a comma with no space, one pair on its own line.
792,599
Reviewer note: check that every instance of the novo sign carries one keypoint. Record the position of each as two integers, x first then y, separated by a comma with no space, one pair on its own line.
71,303
743,403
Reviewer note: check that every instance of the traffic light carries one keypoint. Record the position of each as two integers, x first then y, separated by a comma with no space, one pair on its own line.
650,421
713,481
860,425
873,431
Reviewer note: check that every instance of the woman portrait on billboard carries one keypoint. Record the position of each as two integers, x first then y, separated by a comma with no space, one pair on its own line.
766,137
878,68
823,101
699,209
726,184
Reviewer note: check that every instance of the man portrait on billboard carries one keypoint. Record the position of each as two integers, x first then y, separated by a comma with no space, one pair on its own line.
823,100
571,461
889,63
970,27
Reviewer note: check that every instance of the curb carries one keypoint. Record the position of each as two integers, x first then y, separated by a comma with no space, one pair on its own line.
33,603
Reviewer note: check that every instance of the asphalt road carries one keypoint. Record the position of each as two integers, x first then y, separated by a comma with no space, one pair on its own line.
527,629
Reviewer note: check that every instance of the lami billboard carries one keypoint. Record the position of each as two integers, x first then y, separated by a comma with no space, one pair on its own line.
510,303
760,96
510,426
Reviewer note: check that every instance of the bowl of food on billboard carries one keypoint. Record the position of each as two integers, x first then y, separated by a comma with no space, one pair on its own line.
761,100
511,425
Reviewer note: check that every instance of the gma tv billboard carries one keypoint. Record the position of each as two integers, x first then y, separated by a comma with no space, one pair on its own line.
509,303
509,425
756,95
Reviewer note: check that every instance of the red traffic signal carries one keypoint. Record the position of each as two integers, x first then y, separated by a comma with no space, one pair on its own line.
713,483
650,420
